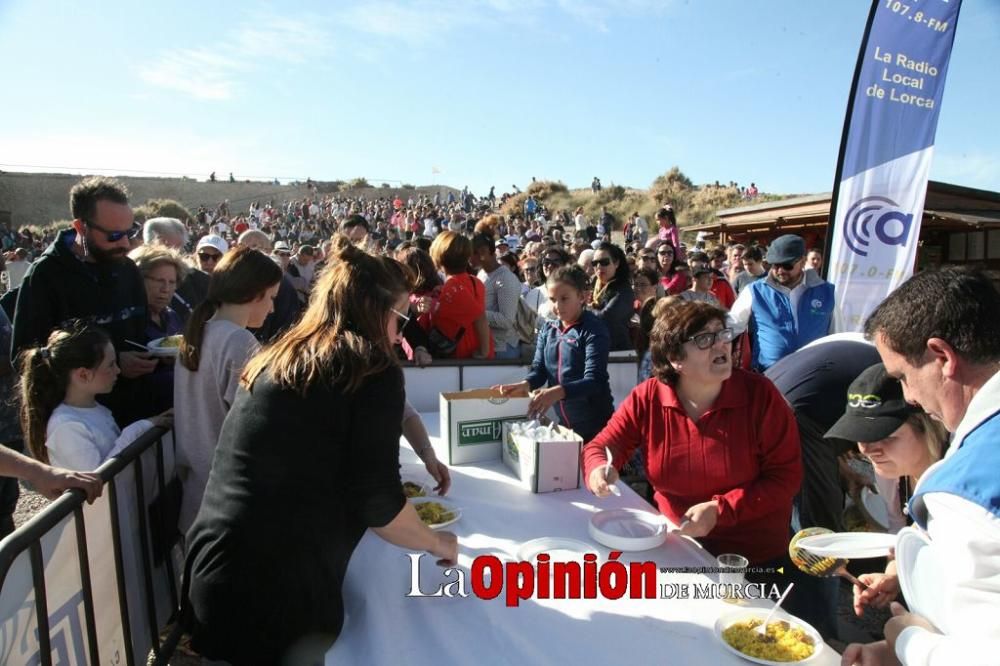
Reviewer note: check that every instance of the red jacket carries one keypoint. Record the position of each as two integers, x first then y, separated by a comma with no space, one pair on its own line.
743,453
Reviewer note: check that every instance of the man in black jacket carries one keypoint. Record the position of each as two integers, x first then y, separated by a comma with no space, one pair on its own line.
86,274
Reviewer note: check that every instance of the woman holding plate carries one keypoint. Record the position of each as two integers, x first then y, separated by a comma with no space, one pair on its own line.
162,270
901,441
307,462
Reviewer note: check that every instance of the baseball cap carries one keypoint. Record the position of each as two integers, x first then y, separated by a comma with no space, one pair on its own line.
786,249
876,407
213,241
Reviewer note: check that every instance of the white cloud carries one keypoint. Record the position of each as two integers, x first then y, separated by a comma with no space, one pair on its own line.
213,73
216,72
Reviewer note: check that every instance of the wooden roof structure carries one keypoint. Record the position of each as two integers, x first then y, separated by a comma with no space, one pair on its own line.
947,207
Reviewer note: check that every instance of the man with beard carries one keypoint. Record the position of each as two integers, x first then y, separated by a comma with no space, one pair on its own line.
789,308
86,274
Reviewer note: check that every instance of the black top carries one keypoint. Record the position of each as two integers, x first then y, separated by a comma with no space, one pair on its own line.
615,308
814,380
295,483
60,287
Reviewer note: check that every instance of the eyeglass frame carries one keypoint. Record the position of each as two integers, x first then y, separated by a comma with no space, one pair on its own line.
402,317
206,256
714,336
605,262
785,265
132,233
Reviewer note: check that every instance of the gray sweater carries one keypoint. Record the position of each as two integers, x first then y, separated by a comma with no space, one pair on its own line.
201,401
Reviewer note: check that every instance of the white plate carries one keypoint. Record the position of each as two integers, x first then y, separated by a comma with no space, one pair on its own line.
727,620
451,506
628,529
557,548
156,350
920,574
876,507
423,487
850,545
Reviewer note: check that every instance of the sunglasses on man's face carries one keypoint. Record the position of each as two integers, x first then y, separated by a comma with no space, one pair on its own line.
648,257
601,262
208,256
115,236
785,265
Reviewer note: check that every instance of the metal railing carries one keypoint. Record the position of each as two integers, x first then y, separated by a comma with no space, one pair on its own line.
30,535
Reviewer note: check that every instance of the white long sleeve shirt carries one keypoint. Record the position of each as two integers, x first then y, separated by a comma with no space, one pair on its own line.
966,537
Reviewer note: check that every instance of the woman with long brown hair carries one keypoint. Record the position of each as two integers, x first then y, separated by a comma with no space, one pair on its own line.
215,348
307,461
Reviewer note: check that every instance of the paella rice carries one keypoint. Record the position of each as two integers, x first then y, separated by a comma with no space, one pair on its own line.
782,642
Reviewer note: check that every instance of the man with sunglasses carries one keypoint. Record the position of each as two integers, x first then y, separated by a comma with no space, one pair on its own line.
86,274
789,308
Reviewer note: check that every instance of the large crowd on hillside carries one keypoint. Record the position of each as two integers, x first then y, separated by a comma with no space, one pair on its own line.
292,320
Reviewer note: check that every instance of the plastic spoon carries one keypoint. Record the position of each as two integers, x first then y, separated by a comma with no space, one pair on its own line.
607,470
762,629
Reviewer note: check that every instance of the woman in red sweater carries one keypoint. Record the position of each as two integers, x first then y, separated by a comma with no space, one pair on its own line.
721,444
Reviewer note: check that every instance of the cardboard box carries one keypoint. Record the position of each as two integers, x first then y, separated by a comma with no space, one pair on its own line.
472,425
544,466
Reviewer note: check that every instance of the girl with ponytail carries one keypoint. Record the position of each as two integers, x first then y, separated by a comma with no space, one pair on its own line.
62,421
215,348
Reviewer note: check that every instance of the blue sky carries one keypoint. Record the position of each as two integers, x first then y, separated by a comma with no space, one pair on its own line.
483,91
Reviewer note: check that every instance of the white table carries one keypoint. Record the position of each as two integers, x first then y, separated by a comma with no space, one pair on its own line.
385,626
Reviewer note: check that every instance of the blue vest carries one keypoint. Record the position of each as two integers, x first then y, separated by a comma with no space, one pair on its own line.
972,473
774,334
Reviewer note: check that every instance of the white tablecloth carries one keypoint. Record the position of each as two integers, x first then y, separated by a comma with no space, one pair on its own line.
384,626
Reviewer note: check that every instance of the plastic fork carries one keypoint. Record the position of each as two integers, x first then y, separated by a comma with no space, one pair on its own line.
822,567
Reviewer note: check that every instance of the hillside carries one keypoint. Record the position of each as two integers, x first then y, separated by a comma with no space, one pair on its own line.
42,198
692,204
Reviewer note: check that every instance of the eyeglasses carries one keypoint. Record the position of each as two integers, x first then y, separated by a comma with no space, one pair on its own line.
648,257
785,265
605,262
641,285
706,340
115,236
552,262
208,256
402,319
663,252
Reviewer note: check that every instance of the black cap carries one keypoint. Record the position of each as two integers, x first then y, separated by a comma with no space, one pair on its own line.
875,407
786,249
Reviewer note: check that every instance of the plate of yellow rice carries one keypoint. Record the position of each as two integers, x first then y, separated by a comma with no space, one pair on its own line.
788,639
436,512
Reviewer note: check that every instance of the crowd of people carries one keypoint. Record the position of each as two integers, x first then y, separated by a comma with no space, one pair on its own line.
294,320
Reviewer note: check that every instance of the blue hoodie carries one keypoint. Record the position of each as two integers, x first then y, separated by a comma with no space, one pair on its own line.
577,359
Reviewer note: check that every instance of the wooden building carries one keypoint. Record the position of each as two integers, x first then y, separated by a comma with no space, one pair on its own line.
961,225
